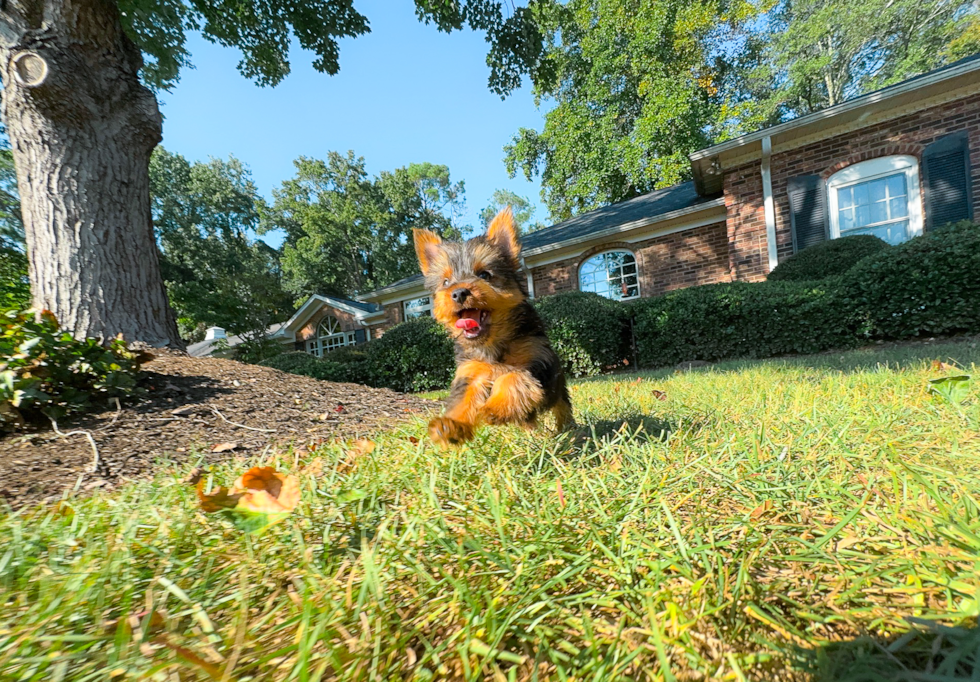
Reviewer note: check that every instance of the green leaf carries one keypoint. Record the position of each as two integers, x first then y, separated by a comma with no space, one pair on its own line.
352,495
953,389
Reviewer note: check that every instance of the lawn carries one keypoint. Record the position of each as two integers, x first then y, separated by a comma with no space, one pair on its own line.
815,518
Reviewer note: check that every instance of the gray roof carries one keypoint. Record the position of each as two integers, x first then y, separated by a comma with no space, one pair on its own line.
203,348
360,305
646,206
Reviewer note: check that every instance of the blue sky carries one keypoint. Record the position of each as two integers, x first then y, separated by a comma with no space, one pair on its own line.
405,93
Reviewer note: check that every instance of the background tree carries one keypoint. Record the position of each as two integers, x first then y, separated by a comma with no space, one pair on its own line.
83,125
523,210
15,291
347,233
215,274
637,85
825,51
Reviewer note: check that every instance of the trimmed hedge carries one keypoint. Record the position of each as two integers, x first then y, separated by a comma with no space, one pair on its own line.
928,285
342,368
740,319
827,259
588,332
413,356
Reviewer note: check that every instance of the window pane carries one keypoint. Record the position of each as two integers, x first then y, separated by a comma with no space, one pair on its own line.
845,198
898,208
893,233
861,194
896,185
879,212
862,215
613,275
846,219
876,189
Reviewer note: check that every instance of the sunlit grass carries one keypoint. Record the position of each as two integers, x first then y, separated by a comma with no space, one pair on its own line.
815,518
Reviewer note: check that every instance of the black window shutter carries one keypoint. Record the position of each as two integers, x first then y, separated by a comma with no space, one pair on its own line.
807,210
946,178
360,336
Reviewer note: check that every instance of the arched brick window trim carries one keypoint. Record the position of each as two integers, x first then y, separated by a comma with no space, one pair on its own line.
611,246
888,150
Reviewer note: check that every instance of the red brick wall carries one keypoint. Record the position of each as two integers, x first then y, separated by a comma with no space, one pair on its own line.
904,135
673,261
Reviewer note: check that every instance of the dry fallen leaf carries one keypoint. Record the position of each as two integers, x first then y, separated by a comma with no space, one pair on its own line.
184,411
760,510
941,366
363,446
261,497
359,448
659,395
315,467
224,447
413,440
194,476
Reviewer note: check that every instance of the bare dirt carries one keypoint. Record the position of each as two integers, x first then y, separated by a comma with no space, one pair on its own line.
190,406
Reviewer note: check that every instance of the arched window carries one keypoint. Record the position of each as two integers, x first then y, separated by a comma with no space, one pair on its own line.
612,274
329,337
878,197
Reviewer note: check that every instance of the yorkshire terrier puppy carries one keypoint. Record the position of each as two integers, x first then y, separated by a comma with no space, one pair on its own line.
506,370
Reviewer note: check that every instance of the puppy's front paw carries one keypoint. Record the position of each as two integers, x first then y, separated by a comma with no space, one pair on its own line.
444,431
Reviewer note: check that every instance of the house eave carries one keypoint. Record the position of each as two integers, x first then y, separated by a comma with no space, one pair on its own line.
625,227
708,163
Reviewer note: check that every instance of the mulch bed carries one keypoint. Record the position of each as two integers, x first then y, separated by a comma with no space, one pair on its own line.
192,405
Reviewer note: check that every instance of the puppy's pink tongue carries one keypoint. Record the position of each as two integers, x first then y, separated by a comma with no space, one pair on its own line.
467,323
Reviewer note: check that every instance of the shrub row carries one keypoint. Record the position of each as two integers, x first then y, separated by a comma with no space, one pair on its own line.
413,356
835,295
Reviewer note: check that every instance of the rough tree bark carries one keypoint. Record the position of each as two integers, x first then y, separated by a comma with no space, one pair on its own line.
82,128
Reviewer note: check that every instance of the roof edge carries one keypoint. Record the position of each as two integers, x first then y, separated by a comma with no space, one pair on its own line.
910,85
627,227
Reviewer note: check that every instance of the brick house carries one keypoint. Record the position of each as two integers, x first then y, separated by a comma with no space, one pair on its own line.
893,163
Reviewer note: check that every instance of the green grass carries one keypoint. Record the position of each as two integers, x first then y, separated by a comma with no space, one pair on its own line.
815,518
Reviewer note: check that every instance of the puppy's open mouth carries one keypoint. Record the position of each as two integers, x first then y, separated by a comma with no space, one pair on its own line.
473,322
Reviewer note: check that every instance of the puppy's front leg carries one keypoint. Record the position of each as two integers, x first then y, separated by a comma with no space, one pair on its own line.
469,392
515,397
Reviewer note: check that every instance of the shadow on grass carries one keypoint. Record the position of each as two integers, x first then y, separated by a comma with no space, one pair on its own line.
928,652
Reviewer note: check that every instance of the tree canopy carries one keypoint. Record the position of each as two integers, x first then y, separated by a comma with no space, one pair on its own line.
215,273
347,233
263,30
636,86
825,51
523,210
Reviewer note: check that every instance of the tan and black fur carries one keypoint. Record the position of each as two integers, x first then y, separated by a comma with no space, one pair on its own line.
509,372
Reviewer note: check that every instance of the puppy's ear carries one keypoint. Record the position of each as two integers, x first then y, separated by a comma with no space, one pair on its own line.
427,247
502,233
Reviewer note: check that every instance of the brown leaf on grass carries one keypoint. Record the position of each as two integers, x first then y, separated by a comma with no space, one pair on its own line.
413,440
760,510
194,476
941,366
359,448
261,490
659,395
210,669
315,467
218,499
561,494
224,447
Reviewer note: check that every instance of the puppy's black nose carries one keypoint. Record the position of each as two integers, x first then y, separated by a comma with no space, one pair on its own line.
460,295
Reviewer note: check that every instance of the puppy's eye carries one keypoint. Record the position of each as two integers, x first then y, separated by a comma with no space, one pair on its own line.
484,275
445,282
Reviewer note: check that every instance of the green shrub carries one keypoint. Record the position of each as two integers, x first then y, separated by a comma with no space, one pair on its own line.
256,350
827,259
46,371
928,285
413,356
590,333
740,319
15,288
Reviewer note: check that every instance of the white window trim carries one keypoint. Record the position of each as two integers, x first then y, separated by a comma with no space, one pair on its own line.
601,253
876,168
417,310
317,346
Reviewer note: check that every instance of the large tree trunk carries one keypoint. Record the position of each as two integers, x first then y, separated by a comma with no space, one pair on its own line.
82,128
